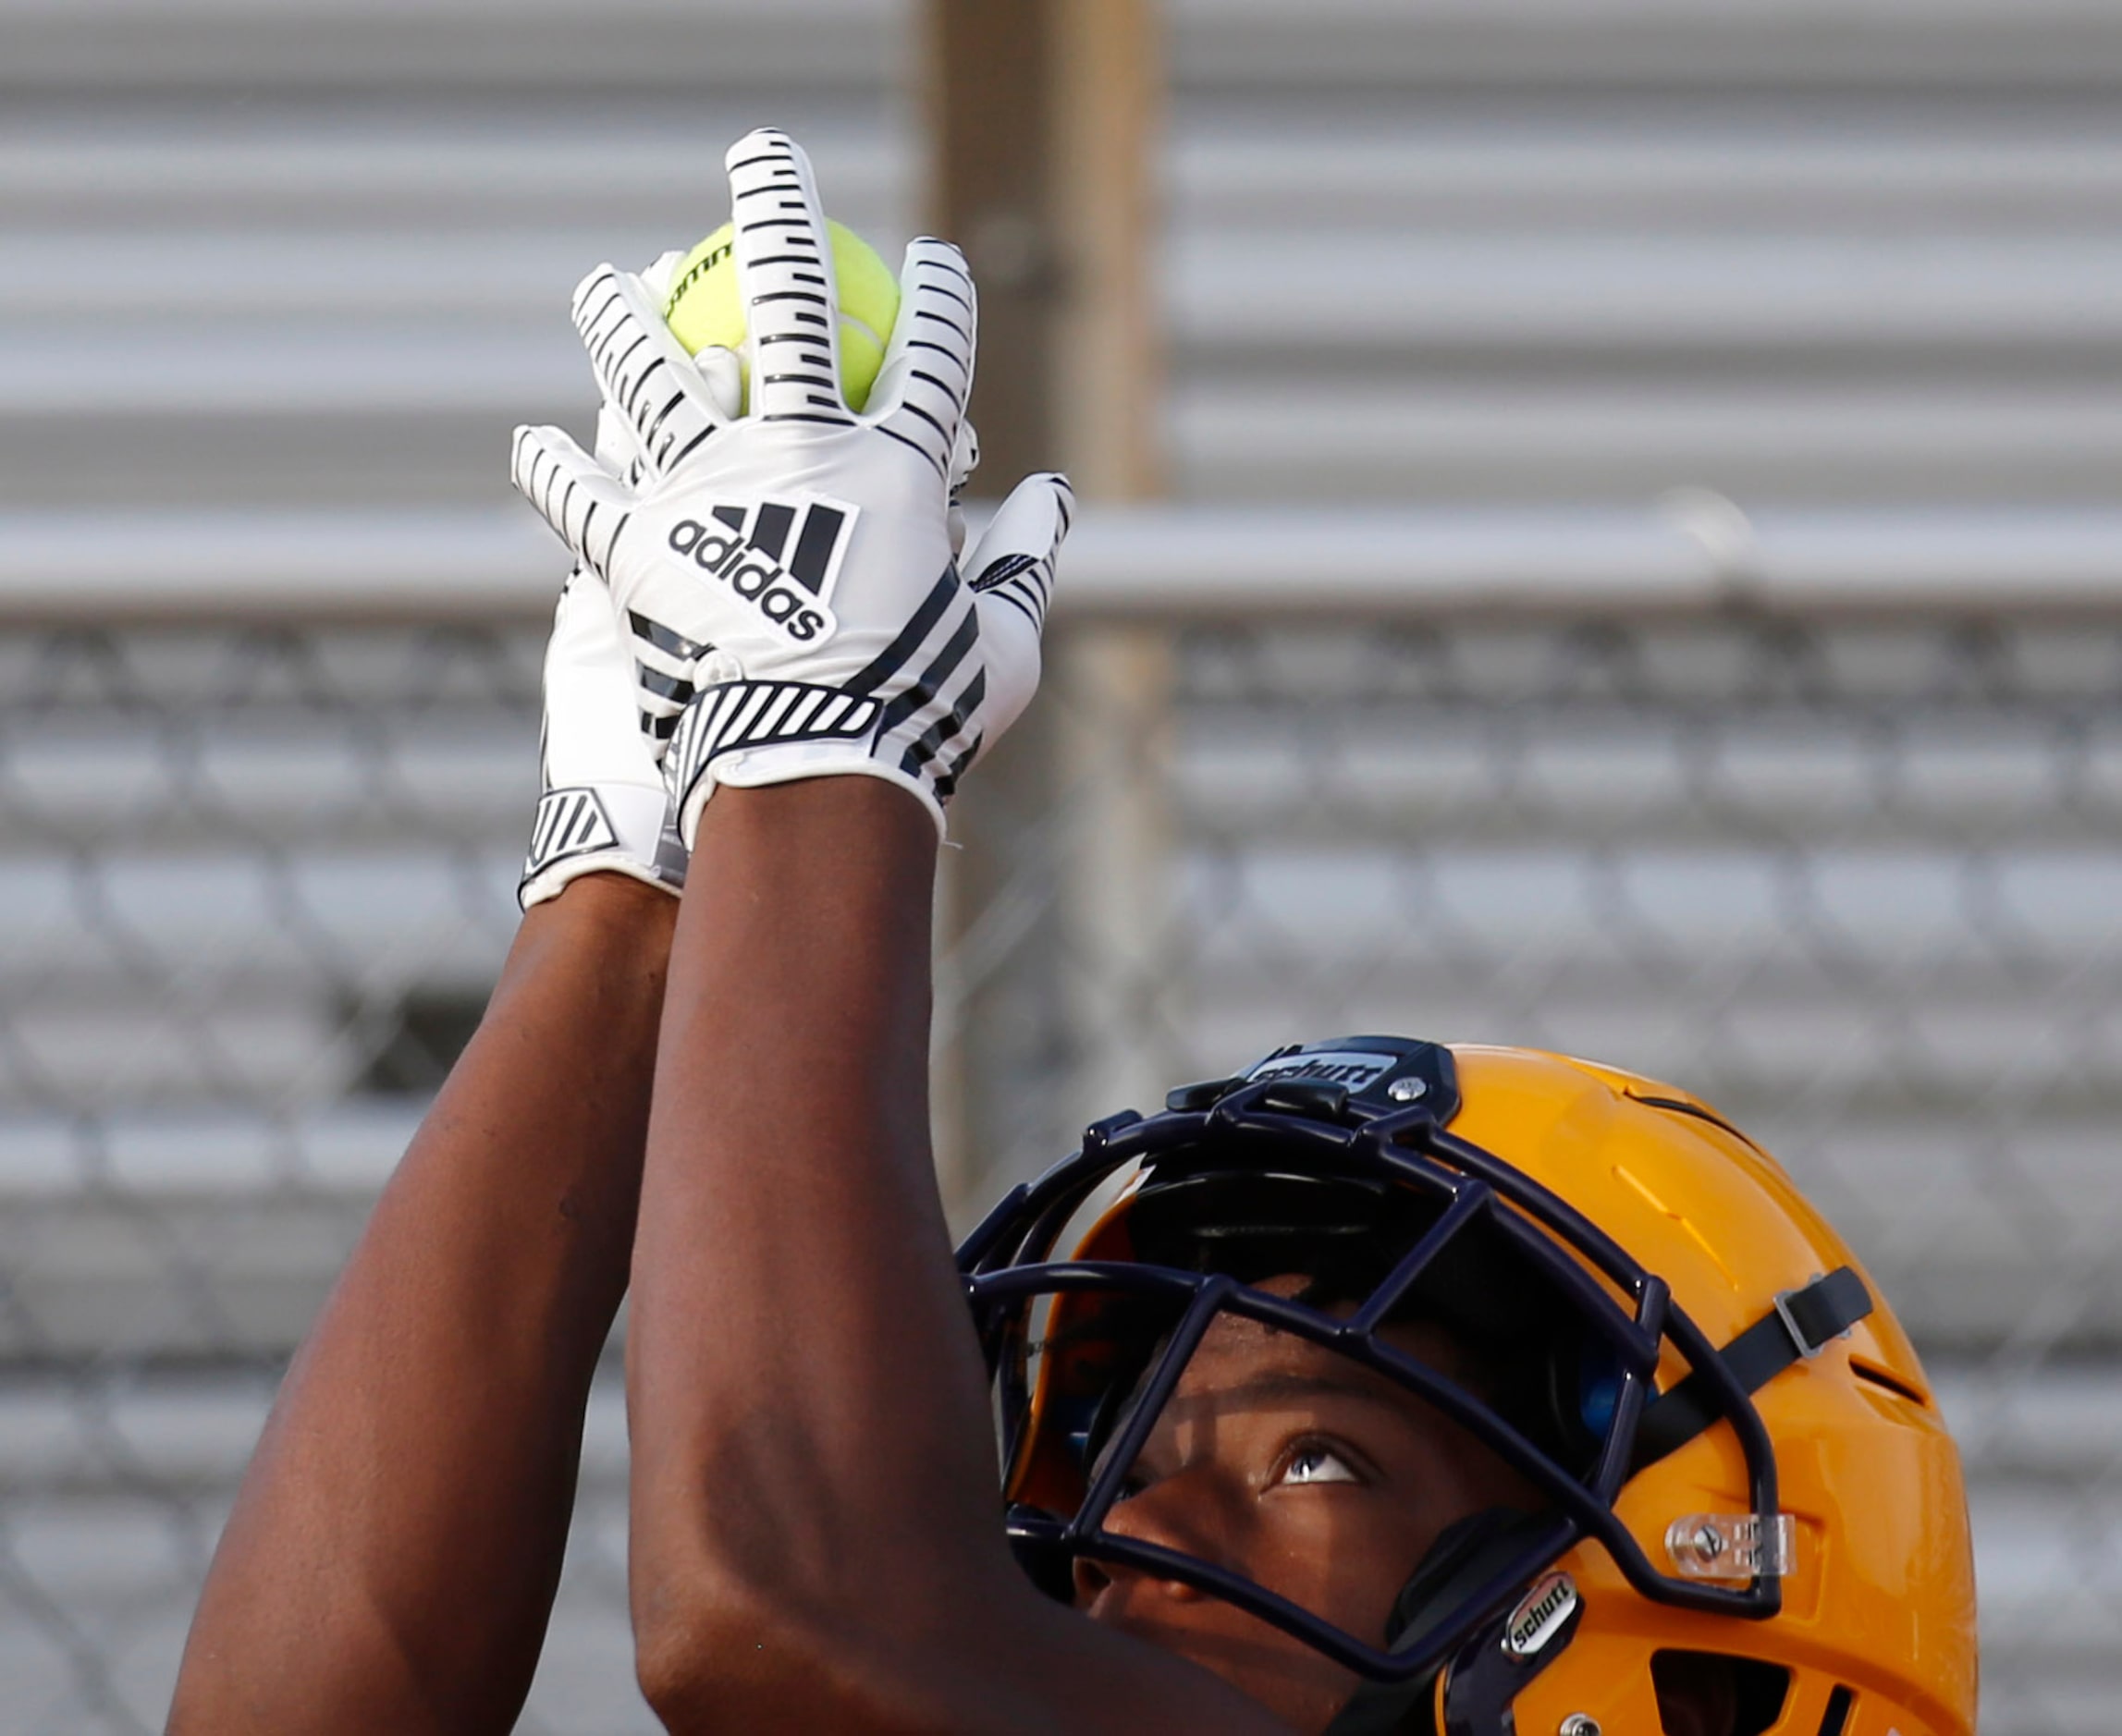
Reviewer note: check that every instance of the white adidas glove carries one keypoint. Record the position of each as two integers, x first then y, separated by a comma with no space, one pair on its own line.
789,575
602,807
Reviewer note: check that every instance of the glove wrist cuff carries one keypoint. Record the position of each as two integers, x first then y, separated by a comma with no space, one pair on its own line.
596,828
758,769
533,893
749,733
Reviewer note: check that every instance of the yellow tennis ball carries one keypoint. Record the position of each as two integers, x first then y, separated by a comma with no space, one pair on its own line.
704,307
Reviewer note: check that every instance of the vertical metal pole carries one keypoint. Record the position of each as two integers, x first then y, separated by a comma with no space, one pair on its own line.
989,104
1113,684
1042,122
1106,66
1000,1036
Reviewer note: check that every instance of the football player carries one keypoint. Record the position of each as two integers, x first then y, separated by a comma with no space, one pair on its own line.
1381,1386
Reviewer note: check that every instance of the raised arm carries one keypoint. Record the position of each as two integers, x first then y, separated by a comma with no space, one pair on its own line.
392,1556
816,1538
391,1561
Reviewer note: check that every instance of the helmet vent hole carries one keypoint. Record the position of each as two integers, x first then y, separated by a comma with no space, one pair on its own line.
1715,1694
1878,1376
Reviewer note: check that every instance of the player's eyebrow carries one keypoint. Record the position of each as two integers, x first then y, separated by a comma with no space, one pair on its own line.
1286,1383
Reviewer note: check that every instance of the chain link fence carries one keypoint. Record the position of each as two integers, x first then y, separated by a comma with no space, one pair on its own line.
1857,881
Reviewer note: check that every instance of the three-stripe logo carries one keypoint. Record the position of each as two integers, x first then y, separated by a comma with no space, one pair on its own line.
781,557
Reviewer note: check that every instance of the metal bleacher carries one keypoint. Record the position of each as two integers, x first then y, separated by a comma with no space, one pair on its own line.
1767,355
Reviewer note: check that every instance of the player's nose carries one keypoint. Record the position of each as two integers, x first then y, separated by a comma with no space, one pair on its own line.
1181,1514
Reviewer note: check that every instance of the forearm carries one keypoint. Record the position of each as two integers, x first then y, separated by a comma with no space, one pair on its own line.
815,1535
816,1540
392,1555
793,1281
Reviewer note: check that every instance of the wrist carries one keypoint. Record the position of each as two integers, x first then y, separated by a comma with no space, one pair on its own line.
547,888
870,819
601,828
762,770
611,909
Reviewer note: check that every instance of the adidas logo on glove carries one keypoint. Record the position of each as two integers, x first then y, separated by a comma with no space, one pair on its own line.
746,547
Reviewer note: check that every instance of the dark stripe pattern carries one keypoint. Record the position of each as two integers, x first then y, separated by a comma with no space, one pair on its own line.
930,362
912,706
1024,581
783,269
636,364
923,720
568,823
734,714
587,515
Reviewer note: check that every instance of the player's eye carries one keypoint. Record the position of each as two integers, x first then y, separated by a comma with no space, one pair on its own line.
1313,1461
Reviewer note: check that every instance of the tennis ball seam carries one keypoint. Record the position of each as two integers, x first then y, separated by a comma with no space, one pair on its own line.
704,307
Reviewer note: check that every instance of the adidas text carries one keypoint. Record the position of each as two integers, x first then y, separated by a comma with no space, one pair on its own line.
761,580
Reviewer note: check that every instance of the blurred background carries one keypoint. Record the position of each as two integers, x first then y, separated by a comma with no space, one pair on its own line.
1600,532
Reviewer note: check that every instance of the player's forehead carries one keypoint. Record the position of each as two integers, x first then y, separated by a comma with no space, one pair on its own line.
1242,1362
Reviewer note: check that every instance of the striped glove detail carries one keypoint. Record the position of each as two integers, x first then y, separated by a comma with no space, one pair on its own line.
758,561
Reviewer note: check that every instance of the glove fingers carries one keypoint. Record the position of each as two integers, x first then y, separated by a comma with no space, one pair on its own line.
642,370
784,273
576,496
656,276
926,375
1013,565
1010,573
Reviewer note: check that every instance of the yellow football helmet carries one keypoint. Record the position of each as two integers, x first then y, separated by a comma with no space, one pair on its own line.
1739,1461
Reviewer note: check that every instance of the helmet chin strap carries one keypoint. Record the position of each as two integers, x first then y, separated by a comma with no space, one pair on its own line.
1799,1326
1484,1677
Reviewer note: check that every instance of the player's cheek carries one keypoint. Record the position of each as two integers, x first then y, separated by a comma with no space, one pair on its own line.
1334,1552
